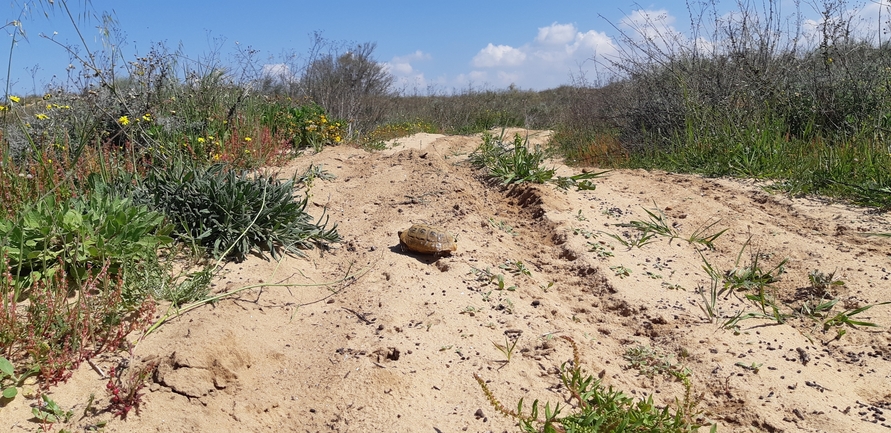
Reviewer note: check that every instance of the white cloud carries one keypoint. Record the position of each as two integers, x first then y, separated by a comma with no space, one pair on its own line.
498,55
556,34
278,71
868,22
654,27
548,60
405,74
592,41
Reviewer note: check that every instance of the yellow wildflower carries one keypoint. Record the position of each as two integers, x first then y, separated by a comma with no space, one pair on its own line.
201,140
15,99
3,108
42,116
147,117
124,120
49,106
247,138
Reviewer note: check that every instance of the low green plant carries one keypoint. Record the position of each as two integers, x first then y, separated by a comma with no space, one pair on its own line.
502,284
600,249
844,318
756,281
10,381
374,145
515,163
470,310
503,226
752,275
750,279
511,338
672,286
714,292
217,208
312,173
650,361
820,297
581,182
511,163
587,234
601,408
753,367
639,241
621,271
515,267
705,236
186,287
78,234
487,276
822,283
655,225
717,290
50,413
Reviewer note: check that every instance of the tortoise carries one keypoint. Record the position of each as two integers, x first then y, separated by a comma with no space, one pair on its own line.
427,239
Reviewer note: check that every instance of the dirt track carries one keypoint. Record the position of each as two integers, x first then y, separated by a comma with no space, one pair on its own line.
394,348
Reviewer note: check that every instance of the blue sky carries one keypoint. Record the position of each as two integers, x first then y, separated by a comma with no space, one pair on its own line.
426,45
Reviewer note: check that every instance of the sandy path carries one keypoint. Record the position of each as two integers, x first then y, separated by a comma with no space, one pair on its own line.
395,348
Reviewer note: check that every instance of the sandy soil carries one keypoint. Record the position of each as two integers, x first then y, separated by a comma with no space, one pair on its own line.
394,346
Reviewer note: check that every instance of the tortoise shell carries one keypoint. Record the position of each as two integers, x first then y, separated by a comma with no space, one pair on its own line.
427,239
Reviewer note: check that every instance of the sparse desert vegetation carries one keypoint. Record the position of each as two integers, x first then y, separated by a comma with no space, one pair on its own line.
136,194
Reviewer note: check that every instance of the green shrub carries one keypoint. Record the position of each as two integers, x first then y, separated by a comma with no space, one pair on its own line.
511,163
78,235
233,214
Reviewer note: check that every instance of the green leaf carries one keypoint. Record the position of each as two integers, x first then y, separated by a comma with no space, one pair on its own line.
6,367
72,219
10,392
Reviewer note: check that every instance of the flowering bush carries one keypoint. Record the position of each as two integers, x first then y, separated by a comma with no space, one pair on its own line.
305,126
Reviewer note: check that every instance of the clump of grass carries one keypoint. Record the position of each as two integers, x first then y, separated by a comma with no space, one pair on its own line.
755,282
647,231
511,163
218,208
516,163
